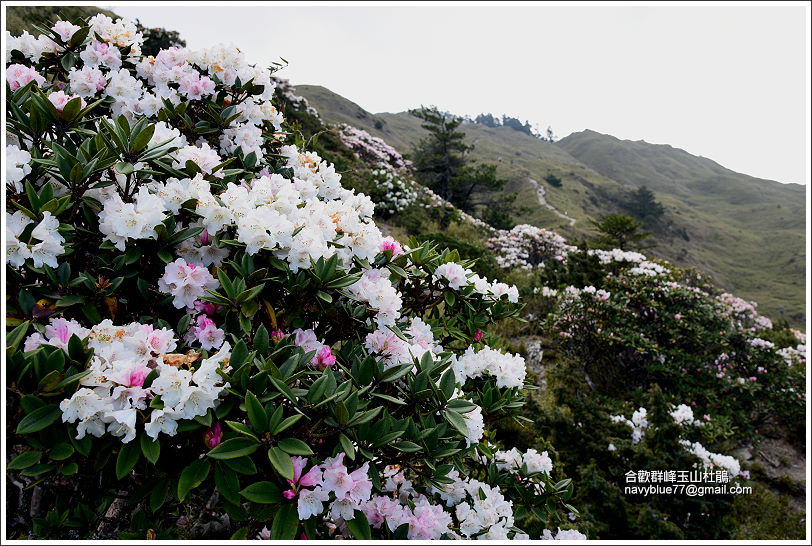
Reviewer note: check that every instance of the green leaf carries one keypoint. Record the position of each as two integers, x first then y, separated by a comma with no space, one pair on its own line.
282,462
192,476
242,465
14,337
158,495
242,429
38,419
285,523
447,383
256,413
50,380
70,469
294,446
125,168
457,421
25,460
128,456
71,110
238,354
261,340
61,451
236,447
359,526
347,446
262,493
288,422
282,387
70,299
70,380
406,447
150,448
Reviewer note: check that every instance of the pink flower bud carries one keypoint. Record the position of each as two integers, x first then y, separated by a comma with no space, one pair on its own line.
277,336
326,359
213,436
205,238
479,335
392,245
289,494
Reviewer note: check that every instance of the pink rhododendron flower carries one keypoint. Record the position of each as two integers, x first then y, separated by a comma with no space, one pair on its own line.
59,99
389,243
326,359
19,75
206,307
195,86
65,29
207,333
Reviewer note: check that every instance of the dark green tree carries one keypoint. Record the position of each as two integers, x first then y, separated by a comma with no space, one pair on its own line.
157,38
643,205
619,231
442,163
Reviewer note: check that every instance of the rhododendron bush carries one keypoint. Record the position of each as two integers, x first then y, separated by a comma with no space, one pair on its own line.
210,335
655,370
649,323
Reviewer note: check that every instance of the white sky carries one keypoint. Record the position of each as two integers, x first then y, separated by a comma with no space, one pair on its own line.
724,82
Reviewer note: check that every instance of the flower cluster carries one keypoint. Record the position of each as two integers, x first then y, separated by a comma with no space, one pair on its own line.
713,460
527,246
508,370
372,150
42,244
391,192
638,423
531,460
684,415
375,289
458,277
323,355
17,166
120,221
392,350
187,283
745,312
116,388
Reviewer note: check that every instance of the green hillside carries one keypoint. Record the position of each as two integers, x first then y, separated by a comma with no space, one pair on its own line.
747,233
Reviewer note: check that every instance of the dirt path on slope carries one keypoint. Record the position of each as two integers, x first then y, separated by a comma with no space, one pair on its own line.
541,192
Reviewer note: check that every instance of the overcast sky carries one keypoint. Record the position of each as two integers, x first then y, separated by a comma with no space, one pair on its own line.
727,83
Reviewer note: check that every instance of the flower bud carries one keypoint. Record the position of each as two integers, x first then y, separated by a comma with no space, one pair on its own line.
213,436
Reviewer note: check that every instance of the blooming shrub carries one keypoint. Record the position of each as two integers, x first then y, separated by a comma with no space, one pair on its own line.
372,150
390,192
527,247
642,329
205,323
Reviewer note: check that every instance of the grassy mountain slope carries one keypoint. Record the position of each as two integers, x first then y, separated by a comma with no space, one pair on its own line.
747,233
